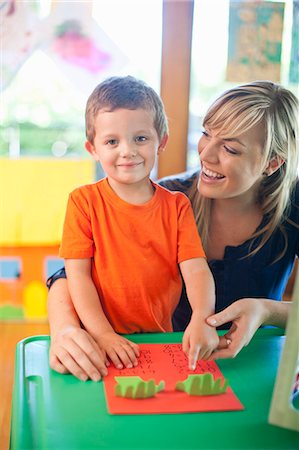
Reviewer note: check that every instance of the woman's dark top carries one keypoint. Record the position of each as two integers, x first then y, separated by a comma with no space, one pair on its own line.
236,277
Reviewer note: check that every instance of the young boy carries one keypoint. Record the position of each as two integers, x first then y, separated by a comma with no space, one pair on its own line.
126,239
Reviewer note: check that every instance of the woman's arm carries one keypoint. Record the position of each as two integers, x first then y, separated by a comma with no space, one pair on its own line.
72,349
247,315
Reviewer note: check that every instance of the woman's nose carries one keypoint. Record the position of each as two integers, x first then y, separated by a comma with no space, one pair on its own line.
208,151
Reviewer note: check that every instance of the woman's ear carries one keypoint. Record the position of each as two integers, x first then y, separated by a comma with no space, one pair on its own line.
273,165
162,144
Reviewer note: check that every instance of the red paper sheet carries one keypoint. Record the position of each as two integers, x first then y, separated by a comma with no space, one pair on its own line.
167,362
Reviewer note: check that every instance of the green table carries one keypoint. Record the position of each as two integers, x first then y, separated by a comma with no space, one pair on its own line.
53,411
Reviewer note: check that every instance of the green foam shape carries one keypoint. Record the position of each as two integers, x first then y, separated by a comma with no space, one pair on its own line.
136,387
202,385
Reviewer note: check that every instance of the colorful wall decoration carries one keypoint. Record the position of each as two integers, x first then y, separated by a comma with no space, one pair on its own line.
19,35
255,40
33,197
69,35
79,47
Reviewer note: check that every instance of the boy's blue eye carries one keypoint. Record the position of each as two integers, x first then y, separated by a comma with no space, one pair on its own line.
112,142
140,139
205,133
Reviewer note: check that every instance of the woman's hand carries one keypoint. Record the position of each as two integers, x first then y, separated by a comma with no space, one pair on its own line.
121,351
74,351
246,315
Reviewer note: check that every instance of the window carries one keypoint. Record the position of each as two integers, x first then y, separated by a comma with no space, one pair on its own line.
44,103
10,268
52,264
213,38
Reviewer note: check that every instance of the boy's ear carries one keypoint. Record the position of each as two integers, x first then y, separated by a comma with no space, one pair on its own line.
274,164
90,148
162,144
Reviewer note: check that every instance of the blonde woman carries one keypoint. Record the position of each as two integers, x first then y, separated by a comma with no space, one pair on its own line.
245,199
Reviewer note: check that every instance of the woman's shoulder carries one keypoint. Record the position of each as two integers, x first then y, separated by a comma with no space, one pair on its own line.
296,192
293,211
179,182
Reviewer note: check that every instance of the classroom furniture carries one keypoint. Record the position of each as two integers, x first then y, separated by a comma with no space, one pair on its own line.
10,334
54,411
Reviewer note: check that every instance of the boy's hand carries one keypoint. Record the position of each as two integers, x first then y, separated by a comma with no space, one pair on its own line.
121,351
199,341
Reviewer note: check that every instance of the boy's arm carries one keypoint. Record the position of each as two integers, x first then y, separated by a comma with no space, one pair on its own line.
88,306
199,338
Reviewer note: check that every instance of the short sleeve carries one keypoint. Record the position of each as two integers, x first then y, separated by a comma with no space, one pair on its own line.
189,242
77,240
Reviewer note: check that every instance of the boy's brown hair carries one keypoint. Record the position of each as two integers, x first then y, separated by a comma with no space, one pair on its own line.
128,93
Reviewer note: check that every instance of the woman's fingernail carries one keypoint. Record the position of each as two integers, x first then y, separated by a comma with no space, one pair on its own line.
212,321
96,376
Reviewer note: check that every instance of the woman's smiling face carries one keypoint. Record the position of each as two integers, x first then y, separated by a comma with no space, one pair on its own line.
231,167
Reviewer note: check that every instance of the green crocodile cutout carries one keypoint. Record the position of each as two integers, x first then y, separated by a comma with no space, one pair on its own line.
202,385
136,387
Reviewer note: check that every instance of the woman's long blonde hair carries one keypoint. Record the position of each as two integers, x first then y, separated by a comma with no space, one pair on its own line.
237,111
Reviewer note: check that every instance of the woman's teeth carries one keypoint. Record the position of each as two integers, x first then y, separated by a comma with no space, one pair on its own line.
211,174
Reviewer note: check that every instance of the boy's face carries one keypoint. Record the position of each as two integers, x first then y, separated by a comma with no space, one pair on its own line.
126,144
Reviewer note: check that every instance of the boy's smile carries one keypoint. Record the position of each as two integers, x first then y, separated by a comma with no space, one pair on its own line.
126,144
129,165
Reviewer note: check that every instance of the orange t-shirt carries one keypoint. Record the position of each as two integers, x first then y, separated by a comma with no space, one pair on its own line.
135,251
